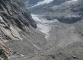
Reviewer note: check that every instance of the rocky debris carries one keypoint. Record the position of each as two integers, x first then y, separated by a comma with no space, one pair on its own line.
64,43
4,48
20,39
4,51
18,34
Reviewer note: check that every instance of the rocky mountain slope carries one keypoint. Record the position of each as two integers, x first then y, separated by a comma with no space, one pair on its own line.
66,11
18,35
20,38
65,20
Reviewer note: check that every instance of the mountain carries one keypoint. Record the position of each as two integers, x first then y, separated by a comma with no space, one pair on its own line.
62,22
53,32
18,34
34,1
66,11
30,3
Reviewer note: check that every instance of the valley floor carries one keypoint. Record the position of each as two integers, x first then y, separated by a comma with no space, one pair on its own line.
65,42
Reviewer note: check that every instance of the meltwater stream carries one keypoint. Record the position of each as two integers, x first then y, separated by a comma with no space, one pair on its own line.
43,24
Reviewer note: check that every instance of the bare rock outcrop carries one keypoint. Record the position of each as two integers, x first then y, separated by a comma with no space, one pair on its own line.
18,35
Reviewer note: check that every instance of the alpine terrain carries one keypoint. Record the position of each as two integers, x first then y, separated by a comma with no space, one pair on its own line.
41,29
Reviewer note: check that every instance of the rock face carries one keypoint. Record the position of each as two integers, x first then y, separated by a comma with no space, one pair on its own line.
17,30
16,11
20,40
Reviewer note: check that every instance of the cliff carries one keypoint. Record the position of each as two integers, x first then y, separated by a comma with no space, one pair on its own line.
17,30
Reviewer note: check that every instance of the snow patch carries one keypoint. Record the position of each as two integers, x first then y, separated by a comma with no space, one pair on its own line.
72,1
42,3
37,18
43,25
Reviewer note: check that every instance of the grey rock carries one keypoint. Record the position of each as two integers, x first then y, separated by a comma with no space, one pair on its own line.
18,30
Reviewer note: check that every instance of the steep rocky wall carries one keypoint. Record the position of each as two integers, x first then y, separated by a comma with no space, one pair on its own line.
15,12
17,29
